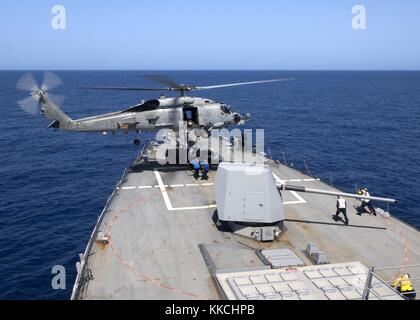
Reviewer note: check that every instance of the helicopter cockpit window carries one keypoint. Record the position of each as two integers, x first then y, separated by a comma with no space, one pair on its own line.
225,109
146,106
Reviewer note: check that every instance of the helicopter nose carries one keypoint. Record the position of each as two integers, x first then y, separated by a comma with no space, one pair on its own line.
247,116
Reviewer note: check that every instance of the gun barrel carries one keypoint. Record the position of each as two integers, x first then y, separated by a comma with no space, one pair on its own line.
334,193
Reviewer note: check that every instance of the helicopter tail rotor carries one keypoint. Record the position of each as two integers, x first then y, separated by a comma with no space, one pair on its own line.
38,94
27,83
41,101
51,81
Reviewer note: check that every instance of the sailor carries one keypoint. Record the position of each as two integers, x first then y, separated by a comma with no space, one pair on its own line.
341,208
205,168
405,287
196,166
367,202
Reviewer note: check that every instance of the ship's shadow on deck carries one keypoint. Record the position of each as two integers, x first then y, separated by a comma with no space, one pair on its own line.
334,224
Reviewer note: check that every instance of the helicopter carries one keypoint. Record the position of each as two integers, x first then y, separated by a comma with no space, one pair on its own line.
150,115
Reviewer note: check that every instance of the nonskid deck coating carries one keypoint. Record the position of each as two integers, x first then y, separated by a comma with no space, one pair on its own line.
158,217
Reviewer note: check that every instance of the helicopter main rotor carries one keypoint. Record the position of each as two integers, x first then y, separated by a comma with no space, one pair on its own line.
172,85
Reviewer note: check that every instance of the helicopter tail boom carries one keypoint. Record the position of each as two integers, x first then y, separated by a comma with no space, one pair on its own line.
51,111
41,101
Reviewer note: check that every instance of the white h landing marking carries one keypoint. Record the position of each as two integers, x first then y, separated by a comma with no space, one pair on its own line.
296,195
167,201
206,184
163,190
168,186
134,187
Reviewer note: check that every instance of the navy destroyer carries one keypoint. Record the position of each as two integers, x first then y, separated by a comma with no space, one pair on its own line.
254,228
160,236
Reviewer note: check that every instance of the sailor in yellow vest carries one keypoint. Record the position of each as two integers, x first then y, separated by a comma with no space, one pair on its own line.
366,202
405,287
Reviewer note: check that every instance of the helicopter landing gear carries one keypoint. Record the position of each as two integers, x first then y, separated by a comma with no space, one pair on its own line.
137,139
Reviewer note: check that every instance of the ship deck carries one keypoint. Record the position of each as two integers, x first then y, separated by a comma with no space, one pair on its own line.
163,242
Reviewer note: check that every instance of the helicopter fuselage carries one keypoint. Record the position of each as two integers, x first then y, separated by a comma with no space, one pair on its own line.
162,113
151,115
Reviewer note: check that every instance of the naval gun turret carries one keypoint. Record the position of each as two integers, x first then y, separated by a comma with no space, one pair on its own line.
250,203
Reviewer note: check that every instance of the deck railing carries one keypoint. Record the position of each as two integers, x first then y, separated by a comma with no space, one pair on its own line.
373,274
83,273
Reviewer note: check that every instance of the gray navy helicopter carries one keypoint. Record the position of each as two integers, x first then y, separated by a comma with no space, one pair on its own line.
150,115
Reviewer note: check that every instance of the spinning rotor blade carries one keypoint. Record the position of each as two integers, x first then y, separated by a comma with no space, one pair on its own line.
126,88
238,84
29,105
173,86
162,79
32,106
27,83
51,81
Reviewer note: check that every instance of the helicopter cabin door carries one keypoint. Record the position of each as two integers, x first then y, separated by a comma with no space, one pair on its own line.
190,115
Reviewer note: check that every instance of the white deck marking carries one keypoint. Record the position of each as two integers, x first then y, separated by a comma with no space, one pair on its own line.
168,201
278,180
194,208
166,186
294,193
302,180
201,184
163,190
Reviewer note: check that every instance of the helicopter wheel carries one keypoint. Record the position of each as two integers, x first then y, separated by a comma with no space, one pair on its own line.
136,141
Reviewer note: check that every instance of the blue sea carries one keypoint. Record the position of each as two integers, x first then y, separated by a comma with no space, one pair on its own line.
351,128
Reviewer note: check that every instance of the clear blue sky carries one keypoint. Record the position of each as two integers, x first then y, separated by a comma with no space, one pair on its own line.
216,34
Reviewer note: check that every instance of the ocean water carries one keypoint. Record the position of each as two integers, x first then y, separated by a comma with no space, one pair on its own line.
352,128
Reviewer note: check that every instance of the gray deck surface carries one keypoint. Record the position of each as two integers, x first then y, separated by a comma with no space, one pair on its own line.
154,252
